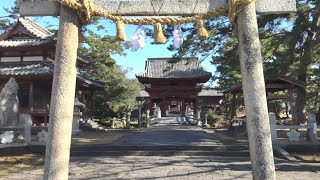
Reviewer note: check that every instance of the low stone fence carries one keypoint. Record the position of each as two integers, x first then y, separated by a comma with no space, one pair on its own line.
293,132
23,136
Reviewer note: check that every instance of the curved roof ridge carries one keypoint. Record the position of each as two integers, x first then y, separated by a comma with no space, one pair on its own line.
173,68
35,28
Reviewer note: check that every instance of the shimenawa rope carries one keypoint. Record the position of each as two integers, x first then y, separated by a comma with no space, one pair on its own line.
85,11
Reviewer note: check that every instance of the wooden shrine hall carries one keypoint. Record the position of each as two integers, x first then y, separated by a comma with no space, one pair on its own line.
280,84
27,53
173,84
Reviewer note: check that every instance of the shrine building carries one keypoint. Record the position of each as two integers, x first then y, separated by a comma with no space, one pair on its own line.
27,53
173,84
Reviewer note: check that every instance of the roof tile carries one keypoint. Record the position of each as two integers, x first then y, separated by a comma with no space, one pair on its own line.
166,68
39,68
34,28
25,43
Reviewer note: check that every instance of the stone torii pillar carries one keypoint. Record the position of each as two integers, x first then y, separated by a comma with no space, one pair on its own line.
58,147
62,98
261,152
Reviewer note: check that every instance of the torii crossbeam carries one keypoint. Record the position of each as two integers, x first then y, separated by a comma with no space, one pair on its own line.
63,89
155,7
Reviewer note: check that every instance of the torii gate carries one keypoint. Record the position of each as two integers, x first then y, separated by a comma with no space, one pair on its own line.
63,89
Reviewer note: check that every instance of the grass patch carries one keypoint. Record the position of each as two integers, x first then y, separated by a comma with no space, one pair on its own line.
14,164
98,137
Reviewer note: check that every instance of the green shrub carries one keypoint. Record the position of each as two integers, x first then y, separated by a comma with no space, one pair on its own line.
212,117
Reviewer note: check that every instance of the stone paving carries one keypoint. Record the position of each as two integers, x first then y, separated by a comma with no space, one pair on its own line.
167,132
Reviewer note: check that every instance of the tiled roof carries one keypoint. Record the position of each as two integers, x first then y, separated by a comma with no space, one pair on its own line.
25,43
43,36
210,92
165,68
205,92
85,60
34,28
289,82
87,80
14,69
39,68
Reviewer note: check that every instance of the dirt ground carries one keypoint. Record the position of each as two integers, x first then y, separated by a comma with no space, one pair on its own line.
13,164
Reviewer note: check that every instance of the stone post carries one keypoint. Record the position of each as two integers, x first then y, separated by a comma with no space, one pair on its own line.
76,116
312,127
26,119
147,118
253,84
155,112
158,112
187,112
205,119
128,115
62,98
113,122
139,116
273,126
199,117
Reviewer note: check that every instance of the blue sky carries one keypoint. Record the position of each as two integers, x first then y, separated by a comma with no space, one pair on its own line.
133,60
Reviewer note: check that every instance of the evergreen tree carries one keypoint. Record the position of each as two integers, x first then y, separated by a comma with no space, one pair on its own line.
290,47
120,92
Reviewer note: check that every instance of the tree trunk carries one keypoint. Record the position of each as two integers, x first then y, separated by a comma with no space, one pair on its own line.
301,105
301,99
318,102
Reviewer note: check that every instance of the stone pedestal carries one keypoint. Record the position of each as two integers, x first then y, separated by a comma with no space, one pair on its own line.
191,116
273,126
76,116
312,127
26,119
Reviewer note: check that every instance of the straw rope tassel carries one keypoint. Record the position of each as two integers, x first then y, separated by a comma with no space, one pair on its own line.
202,32
121,36
159,36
